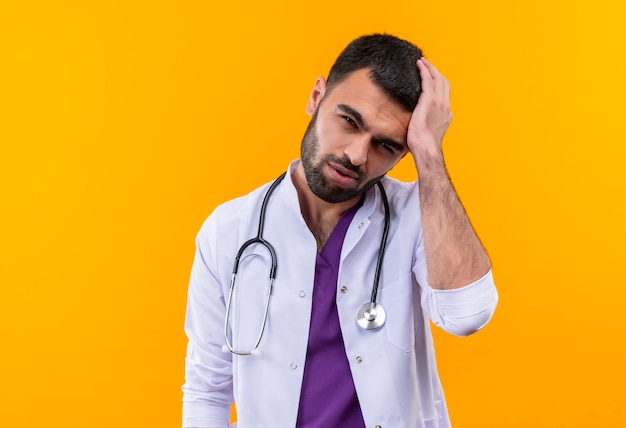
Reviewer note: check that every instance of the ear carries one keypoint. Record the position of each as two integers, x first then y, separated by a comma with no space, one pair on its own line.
316,95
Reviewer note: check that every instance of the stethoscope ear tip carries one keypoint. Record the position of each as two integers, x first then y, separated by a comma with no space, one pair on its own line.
255,352
225,349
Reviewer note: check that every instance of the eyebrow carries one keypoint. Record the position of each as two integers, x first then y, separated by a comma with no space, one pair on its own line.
359,119
352,112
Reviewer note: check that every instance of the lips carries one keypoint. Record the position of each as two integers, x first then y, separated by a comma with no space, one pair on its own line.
344,171
342,175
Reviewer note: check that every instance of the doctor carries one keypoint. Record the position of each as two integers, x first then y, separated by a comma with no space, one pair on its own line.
315,366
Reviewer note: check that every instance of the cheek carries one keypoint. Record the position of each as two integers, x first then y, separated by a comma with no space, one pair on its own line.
380,164
330,138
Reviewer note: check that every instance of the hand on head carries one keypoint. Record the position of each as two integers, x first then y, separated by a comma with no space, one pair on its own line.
432,116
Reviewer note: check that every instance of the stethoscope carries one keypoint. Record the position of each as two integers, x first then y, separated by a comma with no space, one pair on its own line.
370,316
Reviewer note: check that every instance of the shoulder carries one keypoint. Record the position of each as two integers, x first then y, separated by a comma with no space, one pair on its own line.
241,203
229,214
399,193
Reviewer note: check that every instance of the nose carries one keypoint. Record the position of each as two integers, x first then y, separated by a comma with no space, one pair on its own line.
357,150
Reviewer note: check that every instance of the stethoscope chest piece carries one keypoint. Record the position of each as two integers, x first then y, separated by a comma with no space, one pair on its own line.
371,316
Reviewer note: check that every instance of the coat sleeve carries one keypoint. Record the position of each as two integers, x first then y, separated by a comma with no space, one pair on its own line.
464,310
208,388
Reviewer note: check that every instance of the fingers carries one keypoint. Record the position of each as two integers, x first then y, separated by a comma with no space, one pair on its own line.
432,79
432,116
425,75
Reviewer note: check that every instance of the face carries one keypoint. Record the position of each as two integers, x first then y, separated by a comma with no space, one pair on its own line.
356,135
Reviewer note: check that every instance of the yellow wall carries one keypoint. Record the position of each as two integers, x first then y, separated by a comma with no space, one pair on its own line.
123,123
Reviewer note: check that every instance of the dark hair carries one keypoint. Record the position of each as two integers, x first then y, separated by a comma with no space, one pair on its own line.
391,62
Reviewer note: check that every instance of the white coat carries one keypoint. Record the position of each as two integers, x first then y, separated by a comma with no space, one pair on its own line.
393,368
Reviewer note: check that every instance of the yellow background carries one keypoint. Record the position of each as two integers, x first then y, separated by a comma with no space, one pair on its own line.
124,123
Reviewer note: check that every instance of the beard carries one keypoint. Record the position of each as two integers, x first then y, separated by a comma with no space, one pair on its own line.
314,170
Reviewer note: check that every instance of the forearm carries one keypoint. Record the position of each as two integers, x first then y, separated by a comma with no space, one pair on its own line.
455,256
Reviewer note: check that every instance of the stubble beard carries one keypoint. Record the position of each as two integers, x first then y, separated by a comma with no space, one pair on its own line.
313,170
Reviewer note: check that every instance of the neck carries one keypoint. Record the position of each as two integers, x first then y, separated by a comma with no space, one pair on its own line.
321,217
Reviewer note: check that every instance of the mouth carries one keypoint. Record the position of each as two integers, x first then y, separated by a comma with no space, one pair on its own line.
341,175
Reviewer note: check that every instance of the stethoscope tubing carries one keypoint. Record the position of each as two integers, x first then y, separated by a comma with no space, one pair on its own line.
383,243
258,239
371,316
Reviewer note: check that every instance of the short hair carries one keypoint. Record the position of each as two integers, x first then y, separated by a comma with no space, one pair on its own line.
392,65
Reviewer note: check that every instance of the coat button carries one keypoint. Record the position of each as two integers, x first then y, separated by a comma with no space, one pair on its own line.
359,359
344,289
360,225
293,366
302,293
378,426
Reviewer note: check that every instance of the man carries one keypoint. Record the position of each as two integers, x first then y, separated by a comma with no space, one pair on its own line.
315,365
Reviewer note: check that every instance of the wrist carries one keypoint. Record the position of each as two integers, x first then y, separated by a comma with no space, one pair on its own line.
429,159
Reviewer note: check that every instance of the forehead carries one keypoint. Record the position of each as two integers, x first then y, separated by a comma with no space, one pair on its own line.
377,108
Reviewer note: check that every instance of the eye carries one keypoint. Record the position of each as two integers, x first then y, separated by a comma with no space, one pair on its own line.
349,121
386,146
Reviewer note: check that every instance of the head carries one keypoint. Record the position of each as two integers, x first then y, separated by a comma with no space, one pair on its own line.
391,62
359,117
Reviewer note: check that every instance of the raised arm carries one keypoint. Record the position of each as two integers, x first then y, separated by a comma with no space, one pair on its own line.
455,256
